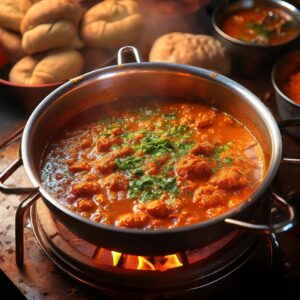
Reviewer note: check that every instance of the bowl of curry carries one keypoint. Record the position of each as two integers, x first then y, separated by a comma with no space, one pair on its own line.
257,32
151,158
286,83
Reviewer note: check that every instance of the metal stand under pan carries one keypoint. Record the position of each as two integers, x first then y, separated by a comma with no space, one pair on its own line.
207,276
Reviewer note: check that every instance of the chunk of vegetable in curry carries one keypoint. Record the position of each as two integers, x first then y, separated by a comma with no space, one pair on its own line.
167,164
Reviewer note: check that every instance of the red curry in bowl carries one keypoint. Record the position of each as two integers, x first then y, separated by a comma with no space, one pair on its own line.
261,24
168,164
292,87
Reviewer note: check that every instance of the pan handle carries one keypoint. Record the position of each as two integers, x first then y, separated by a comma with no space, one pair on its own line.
16,134
19,225
128,49
7,173
12,168
269,229
289,122
291,161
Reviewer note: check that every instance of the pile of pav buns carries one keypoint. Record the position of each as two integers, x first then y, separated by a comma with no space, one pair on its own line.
49,41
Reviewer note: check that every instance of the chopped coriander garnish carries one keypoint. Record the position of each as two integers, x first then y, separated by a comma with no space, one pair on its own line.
129,162
223,148
112,121
260,29
152,145
228,160
150,187
104,120
149,112
183,148
170,116
182,128
217,156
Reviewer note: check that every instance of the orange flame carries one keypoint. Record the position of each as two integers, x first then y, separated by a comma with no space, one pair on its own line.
144,264
116,257
155,263
170,262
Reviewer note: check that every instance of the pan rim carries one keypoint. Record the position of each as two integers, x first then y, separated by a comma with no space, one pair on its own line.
265,114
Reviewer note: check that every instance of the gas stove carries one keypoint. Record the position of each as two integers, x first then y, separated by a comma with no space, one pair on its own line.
169,275
200,272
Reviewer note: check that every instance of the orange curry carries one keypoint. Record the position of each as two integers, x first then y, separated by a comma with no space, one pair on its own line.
168,164
261,25
292,87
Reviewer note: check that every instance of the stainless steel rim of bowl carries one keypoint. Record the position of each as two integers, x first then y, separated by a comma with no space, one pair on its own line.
247,4
276,86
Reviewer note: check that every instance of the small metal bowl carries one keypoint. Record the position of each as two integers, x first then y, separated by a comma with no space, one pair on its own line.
250,59
287,108
29,96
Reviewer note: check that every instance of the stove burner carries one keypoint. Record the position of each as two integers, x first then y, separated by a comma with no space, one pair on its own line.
201,268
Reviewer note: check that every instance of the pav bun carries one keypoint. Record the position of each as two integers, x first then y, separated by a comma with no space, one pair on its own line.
48,36
111,24
50,24
48,11
11,44
12,13
54,66
196,50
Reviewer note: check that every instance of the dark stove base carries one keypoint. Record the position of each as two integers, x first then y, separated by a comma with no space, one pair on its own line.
257,270
253,279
